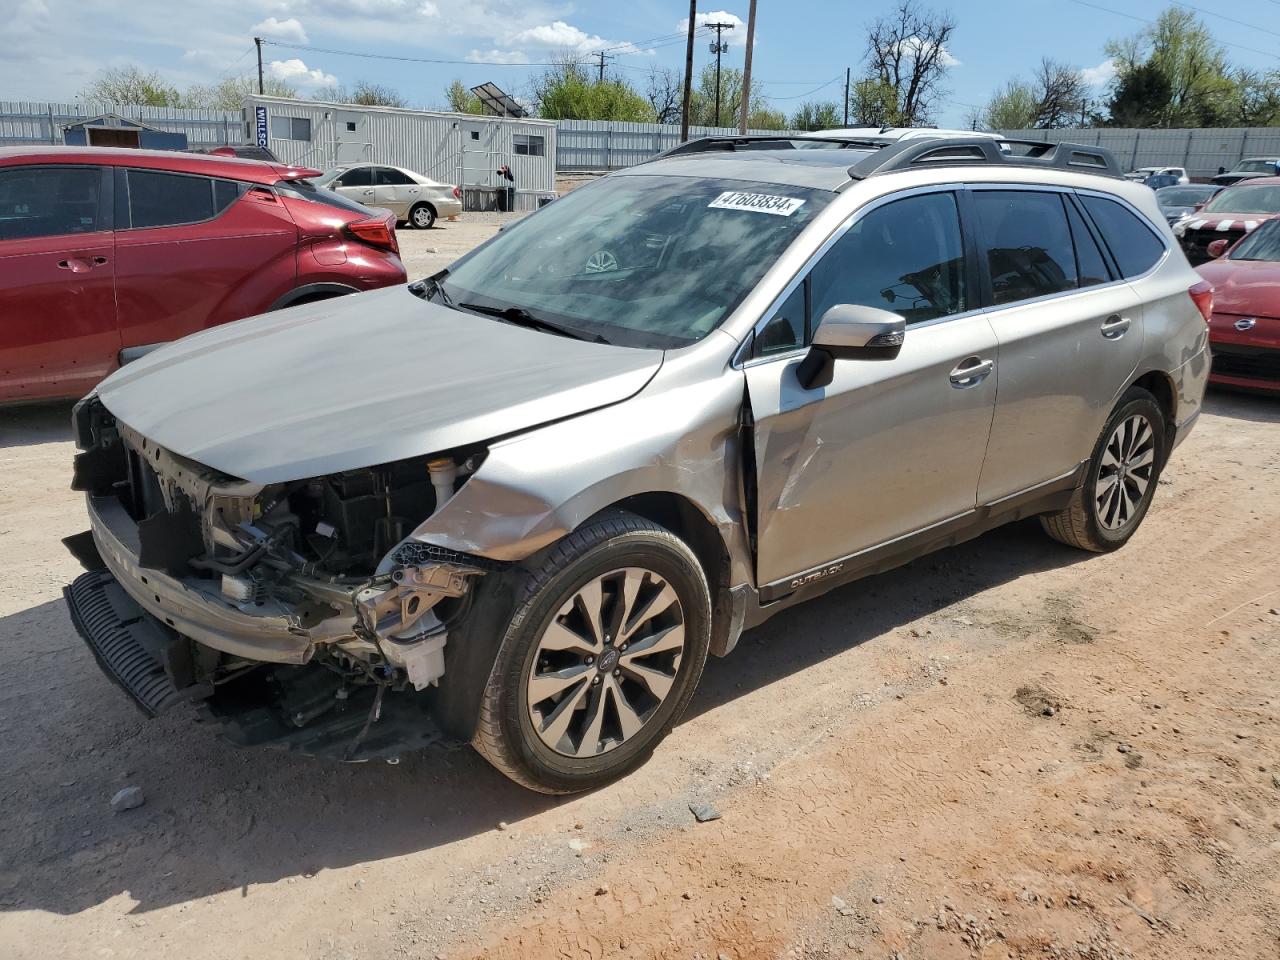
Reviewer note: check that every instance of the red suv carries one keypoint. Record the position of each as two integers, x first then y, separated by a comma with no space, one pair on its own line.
106,253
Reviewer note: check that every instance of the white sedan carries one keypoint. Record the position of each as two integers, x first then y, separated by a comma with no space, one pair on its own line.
412,197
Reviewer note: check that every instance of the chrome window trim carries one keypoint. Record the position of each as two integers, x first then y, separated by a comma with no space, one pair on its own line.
739,361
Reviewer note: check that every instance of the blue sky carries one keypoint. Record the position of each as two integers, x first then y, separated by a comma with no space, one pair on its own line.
57,45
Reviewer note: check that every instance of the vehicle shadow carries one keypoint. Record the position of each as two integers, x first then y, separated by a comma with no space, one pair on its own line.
34,424
217,818
1242,405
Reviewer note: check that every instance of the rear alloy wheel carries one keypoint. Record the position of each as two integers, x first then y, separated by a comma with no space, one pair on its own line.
600,659
422,217
1107,508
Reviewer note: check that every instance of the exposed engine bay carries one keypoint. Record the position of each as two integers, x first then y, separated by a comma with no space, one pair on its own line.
321,573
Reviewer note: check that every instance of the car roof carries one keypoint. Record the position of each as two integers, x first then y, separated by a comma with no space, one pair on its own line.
231,168
1256,182
817,169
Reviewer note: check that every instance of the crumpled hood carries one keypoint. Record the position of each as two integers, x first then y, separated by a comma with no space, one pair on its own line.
1247,287
360,380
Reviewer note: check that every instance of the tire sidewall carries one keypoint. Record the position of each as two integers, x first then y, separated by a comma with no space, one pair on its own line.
1134,401
421,209
518,653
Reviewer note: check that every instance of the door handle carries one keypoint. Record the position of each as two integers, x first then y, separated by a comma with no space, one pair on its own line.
81,264
971,372
1115,326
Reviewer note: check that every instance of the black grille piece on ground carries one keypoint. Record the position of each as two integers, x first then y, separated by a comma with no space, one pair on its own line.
125,642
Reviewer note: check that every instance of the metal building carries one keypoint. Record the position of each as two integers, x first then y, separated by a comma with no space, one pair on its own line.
457,148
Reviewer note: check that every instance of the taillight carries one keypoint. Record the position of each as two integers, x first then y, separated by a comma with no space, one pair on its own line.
457,194
1202,296
376,233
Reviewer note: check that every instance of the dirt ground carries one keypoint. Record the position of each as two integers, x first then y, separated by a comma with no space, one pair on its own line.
1008,749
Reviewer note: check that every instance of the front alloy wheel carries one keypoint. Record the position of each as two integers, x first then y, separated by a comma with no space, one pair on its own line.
606,662
604,646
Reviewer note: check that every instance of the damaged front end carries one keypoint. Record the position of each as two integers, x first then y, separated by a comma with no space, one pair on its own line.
288,611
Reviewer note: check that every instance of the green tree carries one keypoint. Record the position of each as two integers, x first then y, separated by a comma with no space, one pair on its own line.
1257,99
817,116
1140,97
873,103
461,99
132,85
1013,107
229,92
702,107
571,91
764,117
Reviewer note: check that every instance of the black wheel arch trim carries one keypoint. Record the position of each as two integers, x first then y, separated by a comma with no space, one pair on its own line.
311,290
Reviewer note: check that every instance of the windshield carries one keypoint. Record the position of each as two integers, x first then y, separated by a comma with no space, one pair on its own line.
1262,244
1256,166
1246,199
647,261
1184,196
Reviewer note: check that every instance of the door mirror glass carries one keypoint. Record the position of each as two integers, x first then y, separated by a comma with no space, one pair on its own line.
851,331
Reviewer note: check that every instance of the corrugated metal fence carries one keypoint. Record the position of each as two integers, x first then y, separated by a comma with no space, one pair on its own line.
613,144
38,123
1201,151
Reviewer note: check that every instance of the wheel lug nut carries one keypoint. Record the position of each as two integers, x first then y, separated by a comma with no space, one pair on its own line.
595,680
617,673
590,660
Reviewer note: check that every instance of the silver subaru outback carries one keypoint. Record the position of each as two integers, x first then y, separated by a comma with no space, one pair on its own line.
517,503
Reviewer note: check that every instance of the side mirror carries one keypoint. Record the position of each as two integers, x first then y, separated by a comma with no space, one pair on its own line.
1218,247
1199,206
850,332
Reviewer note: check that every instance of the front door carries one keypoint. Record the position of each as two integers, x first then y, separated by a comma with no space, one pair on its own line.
889,447
58,334
1069,336
356,184
394,191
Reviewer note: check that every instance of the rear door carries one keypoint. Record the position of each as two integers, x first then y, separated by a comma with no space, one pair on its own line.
891,446
394,190
1070,333
197,251
58,334
356,184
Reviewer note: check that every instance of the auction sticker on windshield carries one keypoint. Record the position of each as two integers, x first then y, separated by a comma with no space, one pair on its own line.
756,203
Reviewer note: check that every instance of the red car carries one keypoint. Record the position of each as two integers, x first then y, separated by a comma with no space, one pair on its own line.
105,253
1232,214
1244,332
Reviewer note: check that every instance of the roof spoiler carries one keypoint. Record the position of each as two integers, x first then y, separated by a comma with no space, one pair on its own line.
954,152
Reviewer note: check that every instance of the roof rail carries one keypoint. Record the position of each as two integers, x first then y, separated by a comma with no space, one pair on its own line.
954,152
769,141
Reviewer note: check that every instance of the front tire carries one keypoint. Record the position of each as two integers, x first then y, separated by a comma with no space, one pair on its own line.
1109,506
603,653
422,216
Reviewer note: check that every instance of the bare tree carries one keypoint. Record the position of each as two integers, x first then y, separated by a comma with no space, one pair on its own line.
1062,95
907,50
133,85
370,94
664,92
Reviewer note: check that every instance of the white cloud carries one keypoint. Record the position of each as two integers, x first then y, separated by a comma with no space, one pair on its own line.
290,29
1100,75
559,35
428,9
913,47
716,16
297,73
496,56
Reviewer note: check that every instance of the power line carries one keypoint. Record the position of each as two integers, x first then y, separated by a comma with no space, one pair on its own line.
389,56
798,96
1223,16
1130,16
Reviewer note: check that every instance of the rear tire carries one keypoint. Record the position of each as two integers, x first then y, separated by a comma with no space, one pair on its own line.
422,216
602,655
1109,506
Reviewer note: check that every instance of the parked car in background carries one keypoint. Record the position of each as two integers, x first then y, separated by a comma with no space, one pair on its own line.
530,495
1178,201
105,253
1249,169
1143,174
1244,332
894,134
1237,210
414,198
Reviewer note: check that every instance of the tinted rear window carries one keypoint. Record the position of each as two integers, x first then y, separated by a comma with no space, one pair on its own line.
306,190
1134,246
1028,243
164,199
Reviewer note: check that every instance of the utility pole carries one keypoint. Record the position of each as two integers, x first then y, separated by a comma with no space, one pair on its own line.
688,73
848,73
257,42
746,69
600,54
718,47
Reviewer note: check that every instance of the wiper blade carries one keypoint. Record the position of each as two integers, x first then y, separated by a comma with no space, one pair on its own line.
429,287
522,317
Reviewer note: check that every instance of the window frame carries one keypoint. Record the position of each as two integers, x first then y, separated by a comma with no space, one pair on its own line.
1101,239
292,120
124,206
527,143
106,219
746,355
988,291
406,180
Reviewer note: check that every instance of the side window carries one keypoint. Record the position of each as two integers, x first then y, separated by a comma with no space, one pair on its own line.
391,178
290,128
48,201
1028,243
166,199
1133,244
355,177
1090,263
527,145
907,257
786,329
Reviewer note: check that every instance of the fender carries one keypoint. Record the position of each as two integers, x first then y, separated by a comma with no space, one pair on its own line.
311,291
